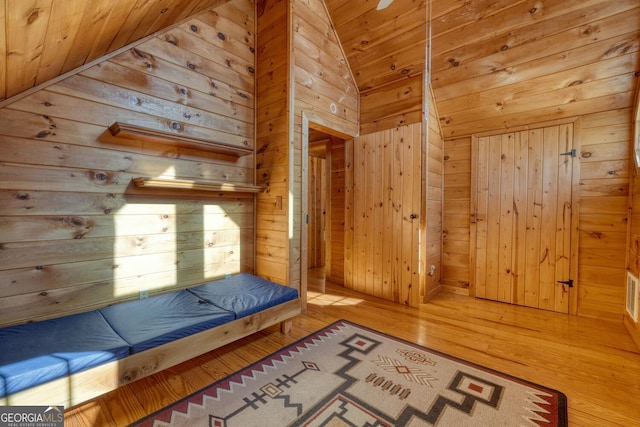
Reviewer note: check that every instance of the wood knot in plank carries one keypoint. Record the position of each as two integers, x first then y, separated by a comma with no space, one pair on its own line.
100,177
171,39
33,16
619,49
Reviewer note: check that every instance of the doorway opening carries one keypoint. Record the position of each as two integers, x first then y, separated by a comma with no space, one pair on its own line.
325,191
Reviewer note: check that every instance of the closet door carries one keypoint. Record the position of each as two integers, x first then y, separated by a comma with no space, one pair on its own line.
521,217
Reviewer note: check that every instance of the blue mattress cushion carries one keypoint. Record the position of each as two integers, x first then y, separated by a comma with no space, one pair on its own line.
244,294
150,322
34,353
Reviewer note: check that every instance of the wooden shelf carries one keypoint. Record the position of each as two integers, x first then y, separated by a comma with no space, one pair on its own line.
138,133
195,185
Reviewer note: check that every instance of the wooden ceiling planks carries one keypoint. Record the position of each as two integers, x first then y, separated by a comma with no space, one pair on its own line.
41,39
494,62
577,58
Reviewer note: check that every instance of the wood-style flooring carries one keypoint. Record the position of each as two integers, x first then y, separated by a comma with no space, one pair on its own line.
595,363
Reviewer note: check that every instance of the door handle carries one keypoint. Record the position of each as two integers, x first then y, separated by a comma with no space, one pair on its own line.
569,282
413,216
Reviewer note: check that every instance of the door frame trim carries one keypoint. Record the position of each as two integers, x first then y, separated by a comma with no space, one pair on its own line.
575,201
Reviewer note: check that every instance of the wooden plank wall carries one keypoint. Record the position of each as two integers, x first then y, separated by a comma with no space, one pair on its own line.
456,219
336,226
76,234
307,80
604,196
434,201
324,91
633,250
272,141
383,191
604,142
394,105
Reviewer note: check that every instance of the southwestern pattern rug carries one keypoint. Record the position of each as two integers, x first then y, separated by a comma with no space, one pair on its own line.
349,375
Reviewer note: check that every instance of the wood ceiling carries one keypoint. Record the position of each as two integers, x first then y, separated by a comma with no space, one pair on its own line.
495,63
42,39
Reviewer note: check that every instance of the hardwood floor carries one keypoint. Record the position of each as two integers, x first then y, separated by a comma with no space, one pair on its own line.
595,363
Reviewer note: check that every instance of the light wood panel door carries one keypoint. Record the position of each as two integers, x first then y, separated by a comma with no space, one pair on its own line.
383,211
521,217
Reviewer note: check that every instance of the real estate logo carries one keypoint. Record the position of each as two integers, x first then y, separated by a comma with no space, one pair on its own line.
31,416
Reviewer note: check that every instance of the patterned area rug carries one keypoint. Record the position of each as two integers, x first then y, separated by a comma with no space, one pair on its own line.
349,375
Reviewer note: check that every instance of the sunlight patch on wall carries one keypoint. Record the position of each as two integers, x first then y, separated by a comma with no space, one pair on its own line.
221,235
145,253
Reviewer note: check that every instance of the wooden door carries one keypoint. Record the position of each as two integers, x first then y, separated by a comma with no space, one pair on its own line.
521,217
383,210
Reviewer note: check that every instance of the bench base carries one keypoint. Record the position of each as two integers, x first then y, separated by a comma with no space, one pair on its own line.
82,386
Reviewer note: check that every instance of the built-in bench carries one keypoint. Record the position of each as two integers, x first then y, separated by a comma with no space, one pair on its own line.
71,359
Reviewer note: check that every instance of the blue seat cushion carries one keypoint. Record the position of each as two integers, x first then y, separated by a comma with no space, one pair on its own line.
34,353
244,294
150,322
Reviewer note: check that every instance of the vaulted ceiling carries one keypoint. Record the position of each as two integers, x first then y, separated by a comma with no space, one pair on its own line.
494,63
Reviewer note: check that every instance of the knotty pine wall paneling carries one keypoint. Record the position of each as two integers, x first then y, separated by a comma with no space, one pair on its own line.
325,93
432,229
604,194
301,71
393,105
456,219
273,151
633,249
76,234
